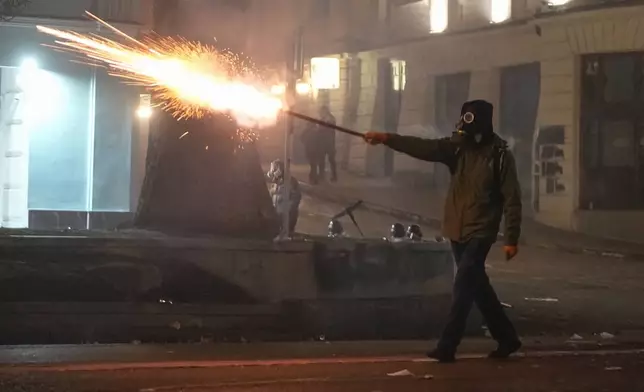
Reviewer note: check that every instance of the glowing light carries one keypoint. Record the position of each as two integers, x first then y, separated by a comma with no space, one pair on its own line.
399,74
44,93
325,73
438,15
144,112
29,64
557,3
500,10
303,88
278,89
191,79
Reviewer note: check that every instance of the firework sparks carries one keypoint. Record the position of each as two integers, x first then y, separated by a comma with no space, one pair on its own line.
191,79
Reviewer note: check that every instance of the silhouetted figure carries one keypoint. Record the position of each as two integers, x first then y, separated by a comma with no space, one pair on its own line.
326,140
313,151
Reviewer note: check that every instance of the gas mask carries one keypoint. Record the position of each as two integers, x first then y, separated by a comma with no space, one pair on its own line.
466,129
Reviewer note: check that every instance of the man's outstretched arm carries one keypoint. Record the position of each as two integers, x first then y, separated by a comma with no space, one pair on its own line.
431,150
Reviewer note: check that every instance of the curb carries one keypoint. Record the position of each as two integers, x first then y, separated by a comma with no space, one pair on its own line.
436,224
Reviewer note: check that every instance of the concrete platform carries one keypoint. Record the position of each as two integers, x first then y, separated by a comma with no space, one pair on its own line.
146,287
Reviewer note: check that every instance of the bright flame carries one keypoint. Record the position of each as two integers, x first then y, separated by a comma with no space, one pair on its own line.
190,78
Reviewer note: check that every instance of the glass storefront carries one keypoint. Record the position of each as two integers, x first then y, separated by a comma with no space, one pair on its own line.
71,125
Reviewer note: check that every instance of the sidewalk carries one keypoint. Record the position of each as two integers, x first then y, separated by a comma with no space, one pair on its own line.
426,206
124,356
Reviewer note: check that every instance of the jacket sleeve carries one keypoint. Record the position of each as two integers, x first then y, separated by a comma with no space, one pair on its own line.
431,150
511,192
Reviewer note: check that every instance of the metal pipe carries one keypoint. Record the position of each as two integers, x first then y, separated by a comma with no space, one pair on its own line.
324,123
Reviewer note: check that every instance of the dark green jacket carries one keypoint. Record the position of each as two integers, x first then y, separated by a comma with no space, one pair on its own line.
477,198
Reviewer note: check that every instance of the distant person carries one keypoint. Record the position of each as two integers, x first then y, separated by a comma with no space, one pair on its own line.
278,194
312,151
326,140
483,187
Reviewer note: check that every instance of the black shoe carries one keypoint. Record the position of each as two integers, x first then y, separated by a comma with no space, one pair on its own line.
505,350
441,356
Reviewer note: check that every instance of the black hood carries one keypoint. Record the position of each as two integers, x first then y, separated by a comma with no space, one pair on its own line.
483,113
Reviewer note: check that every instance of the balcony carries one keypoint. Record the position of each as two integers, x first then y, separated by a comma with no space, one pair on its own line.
137,12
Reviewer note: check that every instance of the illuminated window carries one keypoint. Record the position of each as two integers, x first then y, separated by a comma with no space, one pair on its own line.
399,74
325,73
438,14
500,10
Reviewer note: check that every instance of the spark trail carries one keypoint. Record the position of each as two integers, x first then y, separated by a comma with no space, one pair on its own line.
191,79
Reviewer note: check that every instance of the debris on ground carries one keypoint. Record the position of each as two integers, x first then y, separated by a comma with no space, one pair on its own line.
542,299
428,377
576,337
505,305
606,335
613,368
401,373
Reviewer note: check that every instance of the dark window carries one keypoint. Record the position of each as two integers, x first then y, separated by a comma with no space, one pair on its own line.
451,92
321,8
612,131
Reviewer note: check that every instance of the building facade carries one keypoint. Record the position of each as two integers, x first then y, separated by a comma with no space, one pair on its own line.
566,79
67,130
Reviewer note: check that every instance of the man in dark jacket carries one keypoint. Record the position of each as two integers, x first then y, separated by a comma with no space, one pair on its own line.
483,187
326,140
312,151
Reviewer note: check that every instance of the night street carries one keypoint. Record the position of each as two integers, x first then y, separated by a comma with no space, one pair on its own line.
550,291
608,371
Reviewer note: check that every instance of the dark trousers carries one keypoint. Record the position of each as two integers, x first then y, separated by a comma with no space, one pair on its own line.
472,285
330,155
312,155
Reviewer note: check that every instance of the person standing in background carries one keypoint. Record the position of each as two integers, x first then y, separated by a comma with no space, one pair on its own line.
326,142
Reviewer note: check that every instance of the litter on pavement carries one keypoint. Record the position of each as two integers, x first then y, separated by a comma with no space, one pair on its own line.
606,335
401,373
541,299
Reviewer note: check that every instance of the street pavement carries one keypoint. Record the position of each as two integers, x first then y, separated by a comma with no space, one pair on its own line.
582,313
549,291
536,371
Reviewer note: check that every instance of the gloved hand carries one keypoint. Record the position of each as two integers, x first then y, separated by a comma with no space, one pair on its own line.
375,138
510,251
